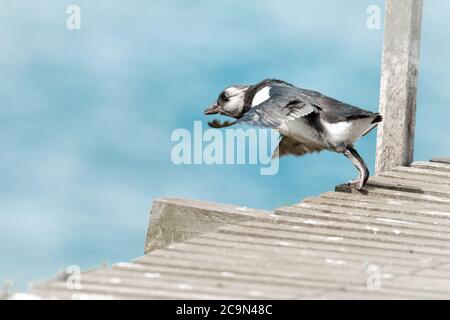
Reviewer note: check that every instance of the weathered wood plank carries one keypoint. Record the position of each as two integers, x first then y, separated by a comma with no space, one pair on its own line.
331,275
46,293
378,295
186,257
99,291
203,280
309,262
436,166
400,68
441,160
350,232
287,264
402,185
227,261
342,237
327,213
403,203
90,291
245,276
423,171
329,278
378,191
409,176
245,290
414,217
333,254
411,186
176,220
330,252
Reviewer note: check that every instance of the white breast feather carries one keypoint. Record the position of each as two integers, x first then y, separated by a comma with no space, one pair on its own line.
347,131
261,96
338,129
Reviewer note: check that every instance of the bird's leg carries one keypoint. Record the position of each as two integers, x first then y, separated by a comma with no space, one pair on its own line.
359,163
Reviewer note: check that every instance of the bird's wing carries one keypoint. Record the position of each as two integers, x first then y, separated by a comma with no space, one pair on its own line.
283,105
333,110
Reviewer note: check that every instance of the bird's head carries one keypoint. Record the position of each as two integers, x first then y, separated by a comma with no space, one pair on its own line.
231,102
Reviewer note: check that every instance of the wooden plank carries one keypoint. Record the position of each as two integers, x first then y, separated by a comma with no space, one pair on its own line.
107,291
245,290
378,295
436,166
398,215
441,160
382,192
242,284
288,264
411,176
321,263
329,253
314,277
402,185
326,212
342,237
181,274
350,231
294,275
400,67
397,204
227,259
332,253
185,255
411,186
91,291
329,278
46,293
423,171
232,266
176,220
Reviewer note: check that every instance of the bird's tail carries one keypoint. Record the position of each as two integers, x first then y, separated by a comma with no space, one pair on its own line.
377,119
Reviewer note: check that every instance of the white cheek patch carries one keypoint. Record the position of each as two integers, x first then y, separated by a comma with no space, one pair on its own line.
261,96
232,106
235,104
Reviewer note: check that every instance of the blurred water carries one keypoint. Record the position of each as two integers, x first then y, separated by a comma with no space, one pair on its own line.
86,115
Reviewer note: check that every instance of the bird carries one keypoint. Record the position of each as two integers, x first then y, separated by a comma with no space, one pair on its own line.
308,121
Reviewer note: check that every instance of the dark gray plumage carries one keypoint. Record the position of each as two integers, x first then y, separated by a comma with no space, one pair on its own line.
308,121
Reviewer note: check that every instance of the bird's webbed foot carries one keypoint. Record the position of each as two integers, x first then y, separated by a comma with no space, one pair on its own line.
357,184
217,124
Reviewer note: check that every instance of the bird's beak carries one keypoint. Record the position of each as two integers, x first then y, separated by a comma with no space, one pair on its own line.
214,109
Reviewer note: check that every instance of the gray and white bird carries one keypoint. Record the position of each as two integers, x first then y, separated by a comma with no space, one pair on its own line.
307,121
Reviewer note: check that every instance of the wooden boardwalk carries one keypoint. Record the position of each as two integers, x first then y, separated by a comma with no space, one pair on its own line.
390,242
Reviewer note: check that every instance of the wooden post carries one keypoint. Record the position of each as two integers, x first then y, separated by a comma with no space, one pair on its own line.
395,144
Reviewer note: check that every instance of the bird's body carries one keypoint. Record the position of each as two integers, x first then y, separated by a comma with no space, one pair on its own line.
320,133
307,120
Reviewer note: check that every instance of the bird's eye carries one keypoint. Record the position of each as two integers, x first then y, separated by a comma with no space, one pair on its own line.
223,97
